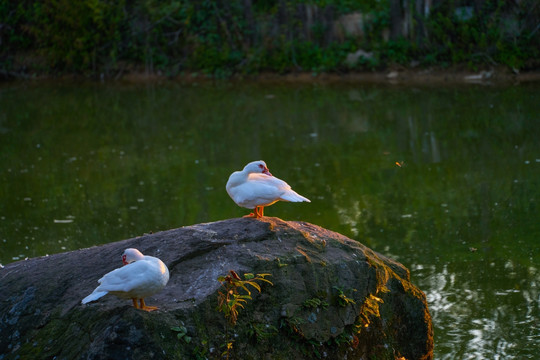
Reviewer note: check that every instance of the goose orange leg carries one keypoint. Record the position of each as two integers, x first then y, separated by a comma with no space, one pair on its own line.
257,212
142,306
146,308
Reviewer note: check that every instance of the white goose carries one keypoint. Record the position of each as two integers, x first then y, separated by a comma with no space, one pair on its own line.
254,188
141,276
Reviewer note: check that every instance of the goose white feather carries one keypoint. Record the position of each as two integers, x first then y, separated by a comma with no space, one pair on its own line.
254,188
142,276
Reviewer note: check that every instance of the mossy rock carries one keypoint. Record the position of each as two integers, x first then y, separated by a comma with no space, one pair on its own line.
331,297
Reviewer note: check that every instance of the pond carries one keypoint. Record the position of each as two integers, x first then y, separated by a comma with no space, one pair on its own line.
445,180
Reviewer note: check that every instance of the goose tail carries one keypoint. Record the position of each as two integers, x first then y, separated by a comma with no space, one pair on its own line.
94,296
294,197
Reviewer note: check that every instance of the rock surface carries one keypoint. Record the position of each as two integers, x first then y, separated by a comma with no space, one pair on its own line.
331,298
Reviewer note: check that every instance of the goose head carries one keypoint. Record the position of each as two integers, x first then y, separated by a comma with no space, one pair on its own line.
130,255
257,167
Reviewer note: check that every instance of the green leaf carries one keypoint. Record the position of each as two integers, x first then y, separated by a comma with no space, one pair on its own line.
248,276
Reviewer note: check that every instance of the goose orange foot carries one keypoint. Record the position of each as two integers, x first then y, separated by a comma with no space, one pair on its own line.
143,306
257,212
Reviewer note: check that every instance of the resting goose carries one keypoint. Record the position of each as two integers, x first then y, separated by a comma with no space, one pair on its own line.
140,277
254,188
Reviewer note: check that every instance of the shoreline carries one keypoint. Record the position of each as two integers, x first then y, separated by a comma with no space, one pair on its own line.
396,75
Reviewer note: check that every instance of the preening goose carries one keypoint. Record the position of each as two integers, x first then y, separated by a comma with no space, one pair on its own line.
254,188
140,277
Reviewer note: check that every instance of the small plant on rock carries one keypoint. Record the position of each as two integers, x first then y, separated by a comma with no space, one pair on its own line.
235,295
342,298
314,303
181,333
261,331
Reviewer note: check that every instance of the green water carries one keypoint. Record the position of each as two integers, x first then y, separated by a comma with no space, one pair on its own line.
89,164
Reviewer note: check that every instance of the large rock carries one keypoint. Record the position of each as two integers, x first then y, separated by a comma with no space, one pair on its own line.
331,298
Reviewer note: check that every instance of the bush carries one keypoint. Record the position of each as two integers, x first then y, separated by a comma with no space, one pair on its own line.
248,36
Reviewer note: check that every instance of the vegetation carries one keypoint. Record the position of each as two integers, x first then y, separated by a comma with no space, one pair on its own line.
231,300
315,303
108,38
181,333
342,298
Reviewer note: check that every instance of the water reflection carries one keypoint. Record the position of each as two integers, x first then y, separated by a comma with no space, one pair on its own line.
471,327
444,180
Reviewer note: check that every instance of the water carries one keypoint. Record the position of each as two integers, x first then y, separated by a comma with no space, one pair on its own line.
445,180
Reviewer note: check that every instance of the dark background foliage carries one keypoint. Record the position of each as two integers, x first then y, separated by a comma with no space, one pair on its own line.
252,36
